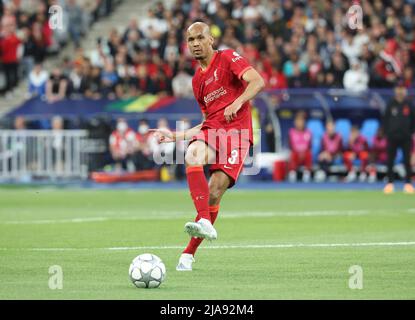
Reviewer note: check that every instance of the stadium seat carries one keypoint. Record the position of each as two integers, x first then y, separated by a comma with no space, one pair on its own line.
317,129
369,128
343,127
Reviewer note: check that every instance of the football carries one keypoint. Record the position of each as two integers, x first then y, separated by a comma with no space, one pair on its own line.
147,271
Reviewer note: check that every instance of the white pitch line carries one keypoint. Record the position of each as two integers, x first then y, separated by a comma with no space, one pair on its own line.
220,247
227,215
53,221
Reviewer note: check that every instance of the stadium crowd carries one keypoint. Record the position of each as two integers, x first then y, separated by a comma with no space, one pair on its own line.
27,38
292,43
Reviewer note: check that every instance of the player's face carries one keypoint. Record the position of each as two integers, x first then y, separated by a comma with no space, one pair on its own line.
299,123
199,43
354,134
400,93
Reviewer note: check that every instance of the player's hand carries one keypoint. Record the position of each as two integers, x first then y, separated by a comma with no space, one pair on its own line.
163,135
231,111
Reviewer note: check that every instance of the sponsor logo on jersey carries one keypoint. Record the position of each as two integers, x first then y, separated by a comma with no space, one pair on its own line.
214,95
238,57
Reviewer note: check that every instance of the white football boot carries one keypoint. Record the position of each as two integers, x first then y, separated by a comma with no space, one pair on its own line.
185,262
201,229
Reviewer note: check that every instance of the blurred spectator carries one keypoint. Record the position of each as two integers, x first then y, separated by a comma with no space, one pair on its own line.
78,81
143,157
75,20
295,71
56,86
163,150
356,79
182,84
408,77
100,54
357,149
153,29
300,147
350,47
109,81
127,77
269,135
277,79
388,67
93,84
122,146
335,75
9,47
38,78
331,150
19,123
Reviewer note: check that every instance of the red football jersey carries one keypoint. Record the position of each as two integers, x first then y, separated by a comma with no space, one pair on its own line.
218,86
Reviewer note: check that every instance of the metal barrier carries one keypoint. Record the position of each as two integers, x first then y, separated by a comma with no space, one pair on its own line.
43,154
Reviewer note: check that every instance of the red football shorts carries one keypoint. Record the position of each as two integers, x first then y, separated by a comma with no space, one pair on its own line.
232,148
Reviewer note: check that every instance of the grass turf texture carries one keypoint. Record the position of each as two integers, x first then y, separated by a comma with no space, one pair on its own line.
86,223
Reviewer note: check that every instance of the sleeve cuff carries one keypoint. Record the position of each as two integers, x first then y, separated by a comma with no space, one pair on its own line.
243,71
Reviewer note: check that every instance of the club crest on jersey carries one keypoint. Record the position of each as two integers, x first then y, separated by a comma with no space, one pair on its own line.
238,57
213,78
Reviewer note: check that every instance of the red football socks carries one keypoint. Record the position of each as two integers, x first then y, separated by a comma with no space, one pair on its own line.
199,190
194,243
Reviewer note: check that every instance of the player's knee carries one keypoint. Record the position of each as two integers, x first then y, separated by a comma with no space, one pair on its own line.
193,158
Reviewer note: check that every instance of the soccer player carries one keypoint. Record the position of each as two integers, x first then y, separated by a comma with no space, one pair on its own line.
331,149
300,147
358,148
222,86
378,153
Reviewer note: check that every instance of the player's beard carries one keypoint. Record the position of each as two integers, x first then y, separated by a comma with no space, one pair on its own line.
200,56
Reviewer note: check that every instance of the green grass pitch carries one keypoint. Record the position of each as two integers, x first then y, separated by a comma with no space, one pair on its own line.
271,245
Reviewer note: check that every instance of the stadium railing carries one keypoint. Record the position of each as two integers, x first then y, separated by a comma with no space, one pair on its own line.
25,154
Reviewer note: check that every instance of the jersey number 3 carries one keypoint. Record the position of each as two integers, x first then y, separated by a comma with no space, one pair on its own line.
234,156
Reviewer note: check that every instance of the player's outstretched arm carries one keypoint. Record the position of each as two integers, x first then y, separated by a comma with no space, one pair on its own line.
165,135
255,85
